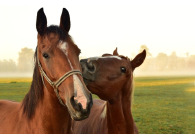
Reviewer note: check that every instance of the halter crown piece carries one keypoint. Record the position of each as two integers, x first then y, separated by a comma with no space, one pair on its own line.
57,83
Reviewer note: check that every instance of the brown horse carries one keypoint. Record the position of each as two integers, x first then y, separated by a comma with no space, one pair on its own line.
111,78
57,92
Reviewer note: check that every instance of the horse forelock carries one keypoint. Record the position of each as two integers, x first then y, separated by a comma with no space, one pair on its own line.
63,37
57,30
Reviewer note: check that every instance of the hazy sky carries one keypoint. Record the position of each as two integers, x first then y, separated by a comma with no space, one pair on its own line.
99,26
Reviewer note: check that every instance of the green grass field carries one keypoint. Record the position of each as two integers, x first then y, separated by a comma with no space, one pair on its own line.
160,104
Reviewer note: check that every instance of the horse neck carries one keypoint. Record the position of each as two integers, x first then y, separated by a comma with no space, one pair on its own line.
127,95
41,106
119,116
53,113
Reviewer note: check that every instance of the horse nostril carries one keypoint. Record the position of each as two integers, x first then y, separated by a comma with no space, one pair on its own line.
91,66
76,106
79,107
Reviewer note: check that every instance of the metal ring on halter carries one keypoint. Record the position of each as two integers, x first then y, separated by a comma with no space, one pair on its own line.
57,83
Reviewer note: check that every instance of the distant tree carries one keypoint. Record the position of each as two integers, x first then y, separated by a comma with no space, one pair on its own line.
7,66
173,61
191,62
161,61
25,60
142,47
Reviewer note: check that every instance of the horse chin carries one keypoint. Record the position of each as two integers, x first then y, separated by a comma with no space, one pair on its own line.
78,117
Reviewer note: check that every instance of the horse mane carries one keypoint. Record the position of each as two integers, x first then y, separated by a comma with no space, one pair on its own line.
35,93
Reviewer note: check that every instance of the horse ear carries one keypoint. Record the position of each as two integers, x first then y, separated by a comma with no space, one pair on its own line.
65,20
115,52
41,24
138,60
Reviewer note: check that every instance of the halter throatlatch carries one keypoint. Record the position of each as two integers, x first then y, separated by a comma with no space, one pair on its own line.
57,83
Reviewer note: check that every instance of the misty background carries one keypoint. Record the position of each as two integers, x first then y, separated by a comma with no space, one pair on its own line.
164,28
160,65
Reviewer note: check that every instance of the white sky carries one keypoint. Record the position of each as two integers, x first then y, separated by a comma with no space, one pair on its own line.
99,26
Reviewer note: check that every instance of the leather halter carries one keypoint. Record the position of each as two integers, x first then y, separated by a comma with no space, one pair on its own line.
57,83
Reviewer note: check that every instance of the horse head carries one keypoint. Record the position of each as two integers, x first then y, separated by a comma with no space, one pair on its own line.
106,76
58,60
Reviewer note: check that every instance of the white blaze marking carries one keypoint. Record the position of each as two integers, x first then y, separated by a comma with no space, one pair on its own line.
78,86
96,58
117,57
63,47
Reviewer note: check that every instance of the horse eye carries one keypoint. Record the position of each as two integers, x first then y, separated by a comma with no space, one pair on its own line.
45,55
123,69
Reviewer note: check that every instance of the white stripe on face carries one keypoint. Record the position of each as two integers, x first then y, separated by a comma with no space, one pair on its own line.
79,89
117,57
96,58
78,86
63,46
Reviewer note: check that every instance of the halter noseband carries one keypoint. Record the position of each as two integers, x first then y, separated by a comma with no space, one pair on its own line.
57,83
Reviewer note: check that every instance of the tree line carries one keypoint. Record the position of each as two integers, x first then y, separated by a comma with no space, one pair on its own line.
164,63
24,62
161,63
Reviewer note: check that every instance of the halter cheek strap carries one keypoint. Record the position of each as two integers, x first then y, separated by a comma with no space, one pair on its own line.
57,83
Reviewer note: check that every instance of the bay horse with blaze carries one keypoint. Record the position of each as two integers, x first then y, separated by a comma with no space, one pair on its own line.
57,91
111,78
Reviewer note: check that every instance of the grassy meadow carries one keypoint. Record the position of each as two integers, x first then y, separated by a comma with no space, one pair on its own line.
161,105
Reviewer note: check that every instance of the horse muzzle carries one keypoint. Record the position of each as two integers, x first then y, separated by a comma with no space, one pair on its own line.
80,111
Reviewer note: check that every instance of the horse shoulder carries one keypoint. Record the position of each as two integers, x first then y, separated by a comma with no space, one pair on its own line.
8,105
8,114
